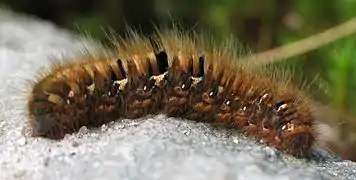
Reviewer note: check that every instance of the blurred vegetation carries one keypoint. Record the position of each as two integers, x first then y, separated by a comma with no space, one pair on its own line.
262,24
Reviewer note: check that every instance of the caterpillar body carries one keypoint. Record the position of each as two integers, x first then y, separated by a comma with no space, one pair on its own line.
177,75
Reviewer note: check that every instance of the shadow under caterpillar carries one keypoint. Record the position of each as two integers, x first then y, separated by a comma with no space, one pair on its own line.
179,76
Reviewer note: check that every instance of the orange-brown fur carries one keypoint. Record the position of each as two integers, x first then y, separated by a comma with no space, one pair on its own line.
226,92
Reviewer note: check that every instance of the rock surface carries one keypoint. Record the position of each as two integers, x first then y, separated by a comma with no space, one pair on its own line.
154,147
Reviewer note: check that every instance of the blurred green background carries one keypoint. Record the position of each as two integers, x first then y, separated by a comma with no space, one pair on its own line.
260,24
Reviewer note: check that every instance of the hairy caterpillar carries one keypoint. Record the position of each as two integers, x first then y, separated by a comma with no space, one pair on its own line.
174,74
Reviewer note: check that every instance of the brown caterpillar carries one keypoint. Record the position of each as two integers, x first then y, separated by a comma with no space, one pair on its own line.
178,75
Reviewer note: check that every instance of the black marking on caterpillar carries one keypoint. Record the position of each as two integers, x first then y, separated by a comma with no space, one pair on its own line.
179,78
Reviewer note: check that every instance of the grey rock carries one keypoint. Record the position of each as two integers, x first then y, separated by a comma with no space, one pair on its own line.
154,147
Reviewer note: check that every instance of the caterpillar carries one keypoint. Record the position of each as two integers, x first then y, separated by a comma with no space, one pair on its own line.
175,74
